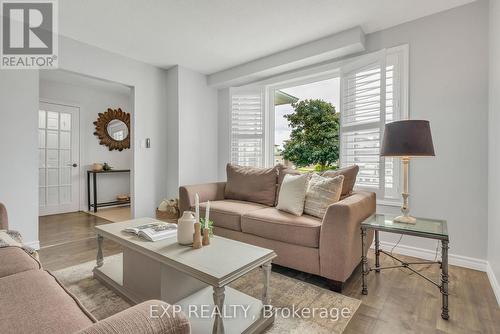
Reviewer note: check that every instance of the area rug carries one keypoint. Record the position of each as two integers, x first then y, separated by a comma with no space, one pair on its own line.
286,293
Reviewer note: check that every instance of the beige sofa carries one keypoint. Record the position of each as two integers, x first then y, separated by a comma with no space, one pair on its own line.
34,301
328,247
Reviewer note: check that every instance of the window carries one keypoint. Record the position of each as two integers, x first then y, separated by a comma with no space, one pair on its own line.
247,127
373,92
371,97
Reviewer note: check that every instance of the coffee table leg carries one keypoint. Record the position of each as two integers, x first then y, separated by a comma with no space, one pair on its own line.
266,270
219,303
100,258
444,279
364,261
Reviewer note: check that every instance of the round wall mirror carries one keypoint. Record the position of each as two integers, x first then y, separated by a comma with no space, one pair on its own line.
117,130
113,129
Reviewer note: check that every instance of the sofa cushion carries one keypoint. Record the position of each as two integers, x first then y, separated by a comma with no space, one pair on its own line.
34,302
14,260
227,213
350,173
274,224
251,184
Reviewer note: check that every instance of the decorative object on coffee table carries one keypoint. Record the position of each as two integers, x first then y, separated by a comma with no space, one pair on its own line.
424,228
113,129
185,228
206,229
406,139
197,242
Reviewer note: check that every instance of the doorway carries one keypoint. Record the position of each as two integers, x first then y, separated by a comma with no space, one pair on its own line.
69,147
58,158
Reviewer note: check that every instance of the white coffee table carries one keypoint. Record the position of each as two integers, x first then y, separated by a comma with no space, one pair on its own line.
185,276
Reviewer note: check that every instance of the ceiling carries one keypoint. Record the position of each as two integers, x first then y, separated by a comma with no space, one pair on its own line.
212,35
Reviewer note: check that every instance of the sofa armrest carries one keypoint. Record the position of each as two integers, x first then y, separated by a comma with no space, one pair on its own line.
207,192
340,236
4,220
144,318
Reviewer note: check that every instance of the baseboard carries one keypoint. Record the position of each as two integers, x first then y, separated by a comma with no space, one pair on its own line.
493,282
427,254
33,244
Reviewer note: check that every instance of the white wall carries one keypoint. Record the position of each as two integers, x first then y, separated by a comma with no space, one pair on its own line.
92,100
197,128
494,150
448,66
19,109
19,151
193,145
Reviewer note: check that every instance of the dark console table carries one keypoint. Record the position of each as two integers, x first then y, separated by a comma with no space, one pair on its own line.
96,205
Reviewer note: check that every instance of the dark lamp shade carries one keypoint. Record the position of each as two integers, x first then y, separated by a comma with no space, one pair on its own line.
410,138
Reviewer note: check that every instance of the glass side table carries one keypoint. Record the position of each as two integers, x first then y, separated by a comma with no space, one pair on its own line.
425,228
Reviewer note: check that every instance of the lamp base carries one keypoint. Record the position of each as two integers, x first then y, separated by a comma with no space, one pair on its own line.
405,220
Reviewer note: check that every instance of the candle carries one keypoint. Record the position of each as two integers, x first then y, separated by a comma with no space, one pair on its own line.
197,207
207,215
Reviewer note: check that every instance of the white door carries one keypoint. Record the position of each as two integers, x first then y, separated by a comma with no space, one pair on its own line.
58,149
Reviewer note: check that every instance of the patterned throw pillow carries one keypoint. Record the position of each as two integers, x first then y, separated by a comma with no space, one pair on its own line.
321,193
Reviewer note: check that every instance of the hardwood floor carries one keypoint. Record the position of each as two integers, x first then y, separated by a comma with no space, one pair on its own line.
397,301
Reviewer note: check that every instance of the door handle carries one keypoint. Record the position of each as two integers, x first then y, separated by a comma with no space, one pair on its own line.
73,165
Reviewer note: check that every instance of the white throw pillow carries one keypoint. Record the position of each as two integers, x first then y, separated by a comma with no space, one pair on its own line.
321,193
293,193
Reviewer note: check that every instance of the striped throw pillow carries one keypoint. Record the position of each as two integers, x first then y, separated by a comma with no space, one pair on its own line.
321,193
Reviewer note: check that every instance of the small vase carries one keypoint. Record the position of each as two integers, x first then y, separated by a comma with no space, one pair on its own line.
185,228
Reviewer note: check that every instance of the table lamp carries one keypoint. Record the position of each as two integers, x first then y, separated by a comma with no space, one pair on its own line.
407,139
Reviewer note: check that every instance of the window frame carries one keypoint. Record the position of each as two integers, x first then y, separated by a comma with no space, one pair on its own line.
328,71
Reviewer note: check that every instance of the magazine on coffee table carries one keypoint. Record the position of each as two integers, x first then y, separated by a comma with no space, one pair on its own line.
154,231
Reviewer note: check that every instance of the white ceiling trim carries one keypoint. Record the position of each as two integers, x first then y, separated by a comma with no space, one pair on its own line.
334,46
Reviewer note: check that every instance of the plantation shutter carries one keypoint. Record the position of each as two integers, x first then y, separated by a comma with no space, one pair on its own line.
247,127
367,103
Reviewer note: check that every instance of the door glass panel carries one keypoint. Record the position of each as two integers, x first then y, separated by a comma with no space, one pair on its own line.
65,176
52,177
41,119
52,120
41,159
41,138
52,195
52,139
41,176
65,122
65,140
65,194
41,196
52,158
65,157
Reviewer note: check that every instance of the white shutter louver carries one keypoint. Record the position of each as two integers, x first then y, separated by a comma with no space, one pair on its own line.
370,99
361,117
247,128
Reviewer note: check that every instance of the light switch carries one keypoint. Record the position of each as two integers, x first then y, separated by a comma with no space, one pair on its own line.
148,143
